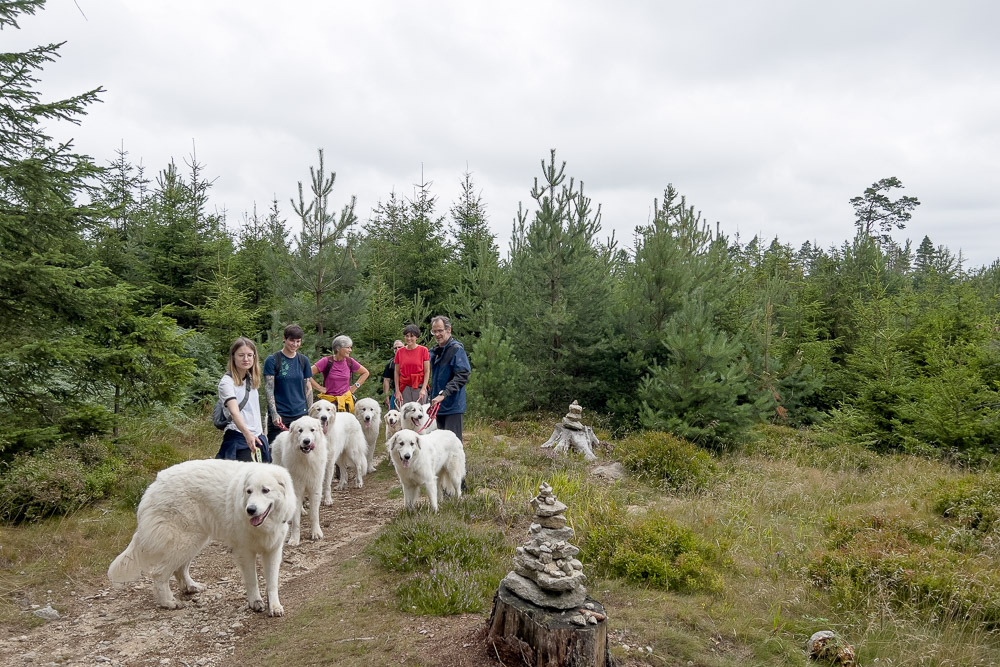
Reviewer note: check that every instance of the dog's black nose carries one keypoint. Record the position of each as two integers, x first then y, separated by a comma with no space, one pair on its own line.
251,509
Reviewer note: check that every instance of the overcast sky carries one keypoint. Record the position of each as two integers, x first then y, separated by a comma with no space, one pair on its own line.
767,116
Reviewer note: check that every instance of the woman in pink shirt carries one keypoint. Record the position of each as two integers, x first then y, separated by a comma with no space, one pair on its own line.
413,368
337,370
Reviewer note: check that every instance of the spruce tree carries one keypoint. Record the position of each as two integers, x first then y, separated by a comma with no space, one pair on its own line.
75,349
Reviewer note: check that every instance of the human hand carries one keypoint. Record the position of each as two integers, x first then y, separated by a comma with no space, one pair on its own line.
437,399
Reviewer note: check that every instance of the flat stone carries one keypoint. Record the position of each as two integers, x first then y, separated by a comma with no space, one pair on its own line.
556,521
548,509
47,613
528,590
562,582
550,534
611,472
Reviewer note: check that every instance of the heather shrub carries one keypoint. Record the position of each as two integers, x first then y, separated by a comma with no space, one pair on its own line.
652,550
665,460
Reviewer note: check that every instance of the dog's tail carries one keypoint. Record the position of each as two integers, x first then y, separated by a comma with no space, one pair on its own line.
126,566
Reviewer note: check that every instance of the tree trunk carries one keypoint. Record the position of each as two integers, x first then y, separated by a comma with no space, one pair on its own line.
525,634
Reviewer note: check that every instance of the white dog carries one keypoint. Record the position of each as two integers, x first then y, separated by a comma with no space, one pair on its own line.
435,461
415,418
302,451
369,413
246,506
346,445
393,422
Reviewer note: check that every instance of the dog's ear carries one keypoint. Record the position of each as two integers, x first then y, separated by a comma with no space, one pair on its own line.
391,444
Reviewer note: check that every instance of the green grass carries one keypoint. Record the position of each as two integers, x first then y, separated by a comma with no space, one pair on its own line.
798,533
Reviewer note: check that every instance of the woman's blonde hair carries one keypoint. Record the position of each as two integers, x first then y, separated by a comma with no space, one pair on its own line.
236,372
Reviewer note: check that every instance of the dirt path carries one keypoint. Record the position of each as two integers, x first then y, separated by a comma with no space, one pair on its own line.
124,627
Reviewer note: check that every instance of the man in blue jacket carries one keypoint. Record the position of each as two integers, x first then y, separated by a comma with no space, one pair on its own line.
449,372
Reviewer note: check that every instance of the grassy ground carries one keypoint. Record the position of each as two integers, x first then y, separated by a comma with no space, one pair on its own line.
782,540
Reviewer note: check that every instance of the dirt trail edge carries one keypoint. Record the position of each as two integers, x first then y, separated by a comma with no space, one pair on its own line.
124,626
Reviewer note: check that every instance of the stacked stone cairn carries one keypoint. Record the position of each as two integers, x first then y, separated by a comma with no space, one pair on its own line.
571,435
546,570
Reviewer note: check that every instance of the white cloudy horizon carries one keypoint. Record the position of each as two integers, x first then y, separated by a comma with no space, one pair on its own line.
768,117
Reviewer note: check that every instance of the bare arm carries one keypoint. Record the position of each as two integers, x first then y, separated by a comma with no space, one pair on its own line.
364,376
427,378
234,410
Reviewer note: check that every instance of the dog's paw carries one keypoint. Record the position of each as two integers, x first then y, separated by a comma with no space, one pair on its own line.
194,587
328,500
358,483
341,486
293,542
256,605
172,603
276,610
317,534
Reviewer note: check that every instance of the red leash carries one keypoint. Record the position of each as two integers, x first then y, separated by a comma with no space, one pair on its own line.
431,416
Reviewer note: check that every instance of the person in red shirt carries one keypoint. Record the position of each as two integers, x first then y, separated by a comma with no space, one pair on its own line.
413,368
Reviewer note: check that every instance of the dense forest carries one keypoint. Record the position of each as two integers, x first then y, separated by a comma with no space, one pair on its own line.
121,289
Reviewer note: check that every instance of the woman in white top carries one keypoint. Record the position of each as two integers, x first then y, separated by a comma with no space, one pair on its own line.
244,435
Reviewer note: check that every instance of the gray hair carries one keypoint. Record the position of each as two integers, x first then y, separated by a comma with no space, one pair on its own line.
443,319
342,341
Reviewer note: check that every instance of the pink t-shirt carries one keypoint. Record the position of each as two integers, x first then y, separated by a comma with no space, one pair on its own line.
337,381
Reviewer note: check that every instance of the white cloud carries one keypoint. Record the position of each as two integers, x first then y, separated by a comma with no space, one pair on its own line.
768,116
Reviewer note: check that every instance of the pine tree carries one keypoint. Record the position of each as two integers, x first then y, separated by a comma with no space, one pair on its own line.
496,384
559,302
323,290
697,392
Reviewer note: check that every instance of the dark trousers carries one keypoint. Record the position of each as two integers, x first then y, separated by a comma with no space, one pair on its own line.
273,430
451,423
235,448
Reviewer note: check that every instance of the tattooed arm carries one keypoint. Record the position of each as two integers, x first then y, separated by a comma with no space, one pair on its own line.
272,409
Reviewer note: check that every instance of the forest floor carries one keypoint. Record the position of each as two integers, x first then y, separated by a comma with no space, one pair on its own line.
101,625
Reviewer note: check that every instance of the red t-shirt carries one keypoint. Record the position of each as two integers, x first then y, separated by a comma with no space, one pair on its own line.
411,365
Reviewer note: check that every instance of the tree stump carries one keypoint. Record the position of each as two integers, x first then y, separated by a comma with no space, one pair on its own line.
524,633
572,434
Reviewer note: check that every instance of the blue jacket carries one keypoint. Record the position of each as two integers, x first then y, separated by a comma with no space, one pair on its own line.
449,372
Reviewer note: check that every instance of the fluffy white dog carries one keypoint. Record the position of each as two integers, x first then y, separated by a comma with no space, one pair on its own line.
393,422
369,413
302,451
435,461
415,418
246,506
346,447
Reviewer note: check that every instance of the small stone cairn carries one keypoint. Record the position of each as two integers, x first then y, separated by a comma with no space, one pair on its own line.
546,570
572,434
